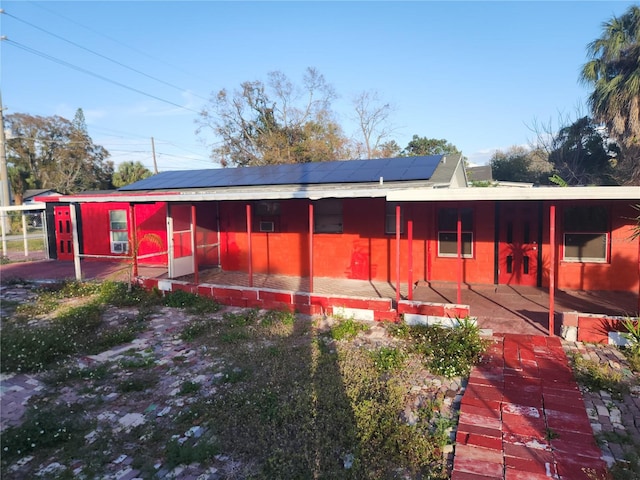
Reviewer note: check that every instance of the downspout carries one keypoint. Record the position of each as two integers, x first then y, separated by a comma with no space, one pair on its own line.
311,221
249,252
552,268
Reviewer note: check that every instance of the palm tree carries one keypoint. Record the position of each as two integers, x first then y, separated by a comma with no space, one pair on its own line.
130,172
614,73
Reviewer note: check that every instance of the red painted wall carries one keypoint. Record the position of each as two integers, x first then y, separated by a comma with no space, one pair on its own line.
363,251
150,218
620,272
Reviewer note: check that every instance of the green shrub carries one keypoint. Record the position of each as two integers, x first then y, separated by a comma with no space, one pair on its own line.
347,329
388,358
450,352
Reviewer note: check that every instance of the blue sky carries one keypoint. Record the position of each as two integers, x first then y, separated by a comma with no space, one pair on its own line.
478,74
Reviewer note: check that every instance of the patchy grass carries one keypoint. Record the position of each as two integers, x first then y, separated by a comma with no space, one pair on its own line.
277,397
596,376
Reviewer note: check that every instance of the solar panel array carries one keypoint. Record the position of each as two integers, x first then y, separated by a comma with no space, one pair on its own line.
351,171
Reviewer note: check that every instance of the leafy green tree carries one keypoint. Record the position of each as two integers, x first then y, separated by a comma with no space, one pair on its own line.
276,122
52,152
517,164
130,172
614,74
582,156
429,146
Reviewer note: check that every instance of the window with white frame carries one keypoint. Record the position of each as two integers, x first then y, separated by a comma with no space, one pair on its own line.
448,232
390,219
586,234
118,231
328,216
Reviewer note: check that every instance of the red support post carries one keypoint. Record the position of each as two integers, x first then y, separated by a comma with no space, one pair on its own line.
134,240
194,244
410,258
311,247
552,268
459,246
397,253
249,252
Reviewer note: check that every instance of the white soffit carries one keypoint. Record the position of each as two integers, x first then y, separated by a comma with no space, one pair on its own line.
497,193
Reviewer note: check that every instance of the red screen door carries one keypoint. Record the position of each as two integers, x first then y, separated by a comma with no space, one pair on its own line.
64,234
518,248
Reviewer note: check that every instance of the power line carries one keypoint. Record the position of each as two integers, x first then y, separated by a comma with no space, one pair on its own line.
93,74
101,55
115,40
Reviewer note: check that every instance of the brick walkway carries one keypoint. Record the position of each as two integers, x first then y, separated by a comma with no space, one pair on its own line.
522,416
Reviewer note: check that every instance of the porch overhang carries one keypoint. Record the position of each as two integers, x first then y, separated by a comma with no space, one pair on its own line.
498,193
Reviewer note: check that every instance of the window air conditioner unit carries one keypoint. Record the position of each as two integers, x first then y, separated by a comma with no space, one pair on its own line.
267,227
120,247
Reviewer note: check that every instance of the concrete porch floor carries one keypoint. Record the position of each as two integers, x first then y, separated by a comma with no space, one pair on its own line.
503,308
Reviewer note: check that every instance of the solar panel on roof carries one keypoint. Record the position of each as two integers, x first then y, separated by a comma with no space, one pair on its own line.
351,171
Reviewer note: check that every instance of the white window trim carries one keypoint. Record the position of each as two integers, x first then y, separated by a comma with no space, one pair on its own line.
119,247
586,259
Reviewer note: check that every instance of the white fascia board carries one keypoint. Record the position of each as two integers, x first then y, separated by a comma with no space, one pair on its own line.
229,195
497,193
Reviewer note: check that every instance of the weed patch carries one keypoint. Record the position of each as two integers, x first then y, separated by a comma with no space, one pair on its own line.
347,329
192,303
596,376
450,352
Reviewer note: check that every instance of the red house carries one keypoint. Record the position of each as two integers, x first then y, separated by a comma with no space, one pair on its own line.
396,220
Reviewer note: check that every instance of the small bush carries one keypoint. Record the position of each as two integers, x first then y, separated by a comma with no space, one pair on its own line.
347,329
388,358
278,316
450,352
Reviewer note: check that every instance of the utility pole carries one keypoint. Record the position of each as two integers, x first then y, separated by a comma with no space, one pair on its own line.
4,175
153,150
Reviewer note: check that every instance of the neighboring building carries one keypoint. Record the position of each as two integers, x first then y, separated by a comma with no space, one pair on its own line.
30,197
480,174
339,220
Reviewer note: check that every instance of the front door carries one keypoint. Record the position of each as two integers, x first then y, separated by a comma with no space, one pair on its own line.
181,240
518,247
64,234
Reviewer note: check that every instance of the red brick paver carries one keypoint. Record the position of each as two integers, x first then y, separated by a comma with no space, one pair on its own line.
522,416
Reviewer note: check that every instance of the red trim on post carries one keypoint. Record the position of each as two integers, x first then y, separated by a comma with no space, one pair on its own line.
134,240
249,252
410,258
459,247
552,268
310,247
397,253
194,240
